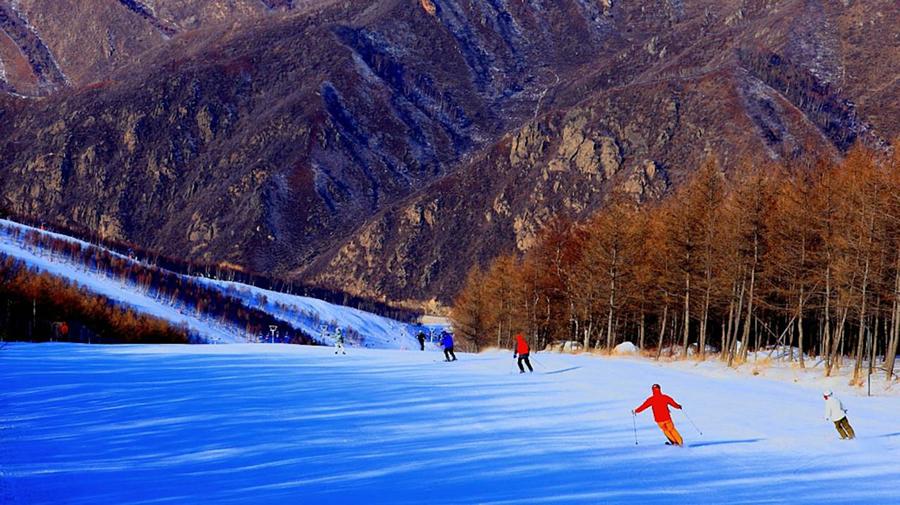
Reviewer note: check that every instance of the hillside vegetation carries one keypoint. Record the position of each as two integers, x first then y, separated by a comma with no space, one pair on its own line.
804,258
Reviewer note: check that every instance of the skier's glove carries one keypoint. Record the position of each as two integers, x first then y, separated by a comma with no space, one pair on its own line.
514,356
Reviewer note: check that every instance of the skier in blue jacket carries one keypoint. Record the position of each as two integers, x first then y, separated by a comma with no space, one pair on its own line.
447,343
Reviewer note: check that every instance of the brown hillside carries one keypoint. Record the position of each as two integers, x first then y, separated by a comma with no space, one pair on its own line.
384,146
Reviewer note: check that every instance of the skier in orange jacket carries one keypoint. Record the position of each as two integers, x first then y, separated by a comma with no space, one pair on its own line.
660,404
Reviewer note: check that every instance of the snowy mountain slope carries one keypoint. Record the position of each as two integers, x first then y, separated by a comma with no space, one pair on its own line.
290,424
308,314
131,296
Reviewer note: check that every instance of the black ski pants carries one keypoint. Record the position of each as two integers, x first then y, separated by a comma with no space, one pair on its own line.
448,353
524,357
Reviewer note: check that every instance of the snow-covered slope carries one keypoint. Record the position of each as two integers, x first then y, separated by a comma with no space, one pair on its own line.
112,288
289,424
308,314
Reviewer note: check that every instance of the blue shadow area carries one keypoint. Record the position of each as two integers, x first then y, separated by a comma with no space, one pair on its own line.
725,442
88,425
564,370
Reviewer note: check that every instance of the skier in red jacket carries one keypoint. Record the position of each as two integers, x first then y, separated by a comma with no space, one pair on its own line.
660,404
522,352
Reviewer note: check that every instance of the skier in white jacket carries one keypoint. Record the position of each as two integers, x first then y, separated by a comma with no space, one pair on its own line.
835,412
339,341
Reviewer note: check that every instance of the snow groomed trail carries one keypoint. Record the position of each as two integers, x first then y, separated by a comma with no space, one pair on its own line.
246,424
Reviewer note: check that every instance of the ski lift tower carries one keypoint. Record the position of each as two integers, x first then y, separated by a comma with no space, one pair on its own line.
273,328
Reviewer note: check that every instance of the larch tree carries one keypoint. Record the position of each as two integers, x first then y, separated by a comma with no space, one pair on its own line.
681,230
751,258
892,214
707,203
748,210
643,295
470,311
609,249
502,286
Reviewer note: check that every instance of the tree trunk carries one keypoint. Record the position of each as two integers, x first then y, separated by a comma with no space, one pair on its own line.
800,328
748,321
726,329
642,329
587,334
610,315
676,327
873,342
722,340
826,332
704,322
573,319
687,312
861,334
737,323
890,355
790,341
836,345
662,328
757,336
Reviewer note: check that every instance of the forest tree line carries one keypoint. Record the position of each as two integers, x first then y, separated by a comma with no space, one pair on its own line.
801,260
39,307
224,271
166,286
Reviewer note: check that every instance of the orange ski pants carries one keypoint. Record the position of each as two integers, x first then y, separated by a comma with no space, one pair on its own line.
668,429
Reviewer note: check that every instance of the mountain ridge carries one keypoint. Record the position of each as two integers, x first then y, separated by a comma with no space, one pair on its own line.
294,142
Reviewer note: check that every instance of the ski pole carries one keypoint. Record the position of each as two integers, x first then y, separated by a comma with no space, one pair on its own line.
691,421
634,426
537,362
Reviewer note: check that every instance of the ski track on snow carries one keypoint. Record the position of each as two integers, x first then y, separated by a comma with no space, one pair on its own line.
294,424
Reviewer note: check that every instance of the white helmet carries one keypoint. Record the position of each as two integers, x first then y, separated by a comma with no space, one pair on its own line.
827,393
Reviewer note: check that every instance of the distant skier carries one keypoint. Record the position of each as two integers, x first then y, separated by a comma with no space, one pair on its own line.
660,404
447,343
835,411
522,351
339,341
421,338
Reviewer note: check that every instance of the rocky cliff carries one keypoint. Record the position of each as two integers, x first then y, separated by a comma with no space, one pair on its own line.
385,146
